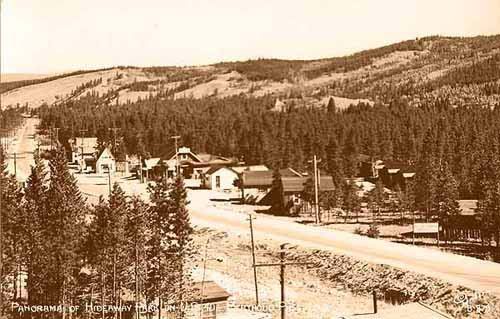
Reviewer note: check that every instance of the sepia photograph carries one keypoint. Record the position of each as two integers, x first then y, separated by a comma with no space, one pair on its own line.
230,159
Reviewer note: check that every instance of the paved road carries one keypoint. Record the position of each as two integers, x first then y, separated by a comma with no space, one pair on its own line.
456,269
466,271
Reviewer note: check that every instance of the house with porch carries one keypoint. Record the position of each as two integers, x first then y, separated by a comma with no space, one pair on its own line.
192,165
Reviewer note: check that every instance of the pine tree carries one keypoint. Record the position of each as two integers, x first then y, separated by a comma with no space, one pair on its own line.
179,241
11,210
376,198
334,162
118,208
278,197
350,154
330,107
444,202
350,199
489,206
158,275
35,201
98,250
405,198
426,176
63,230
136,235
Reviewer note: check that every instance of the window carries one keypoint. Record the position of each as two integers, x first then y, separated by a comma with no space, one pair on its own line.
217,181
209,311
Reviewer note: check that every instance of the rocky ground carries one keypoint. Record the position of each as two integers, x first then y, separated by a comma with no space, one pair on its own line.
333,285
397,285
308,296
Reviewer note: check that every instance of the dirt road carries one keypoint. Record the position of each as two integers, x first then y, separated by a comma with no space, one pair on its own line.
23,147
466,271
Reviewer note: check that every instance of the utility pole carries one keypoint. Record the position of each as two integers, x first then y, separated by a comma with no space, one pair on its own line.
57,133
282,265
109,180
315,162
114,129
15,164
203,278
140,169
250,218
176,138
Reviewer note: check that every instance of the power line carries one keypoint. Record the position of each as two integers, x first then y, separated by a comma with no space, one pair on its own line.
250,218
282,264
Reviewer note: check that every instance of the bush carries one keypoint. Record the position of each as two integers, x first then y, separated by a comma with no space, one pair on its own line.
373,231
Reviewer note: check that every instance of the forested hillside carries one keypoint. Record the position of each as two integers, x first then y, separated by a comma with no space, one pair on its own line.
464,70
248,129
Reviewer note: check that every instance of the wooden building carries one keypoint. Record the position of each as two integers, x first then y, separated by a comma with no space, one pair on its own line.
220,178
105,162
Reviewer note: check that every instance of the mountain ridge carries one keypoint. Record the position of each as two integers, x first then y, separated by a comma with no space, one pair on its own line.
413,68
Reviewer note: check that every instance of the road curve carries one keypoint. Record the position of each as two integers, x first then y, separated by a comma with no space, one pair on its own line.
456,269
466,271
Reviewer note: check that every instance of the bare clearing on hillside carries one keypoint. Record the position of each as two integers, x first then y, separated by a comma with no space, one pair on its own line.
50,92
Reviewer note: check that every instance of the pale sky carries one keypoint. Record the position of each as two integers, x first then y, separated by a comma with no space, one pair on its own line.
46,36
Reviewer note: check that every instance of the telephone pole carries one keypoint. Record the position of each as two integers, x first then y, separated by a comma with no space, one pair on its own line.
114,129
109,181
282,264
57,133
250,218
315,162
15,164
176,138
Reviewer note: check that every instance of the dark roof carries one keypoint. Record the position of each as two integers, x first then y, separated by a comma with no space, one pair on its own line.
297,184
265,178
211,291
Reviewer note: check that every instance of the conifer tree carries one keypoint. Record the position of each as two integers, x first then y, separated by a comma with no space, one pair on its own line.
64,231
330,107
179,240
35,201
118,208
445,198
136,231
350,200
98,250
376,198
278,200
334,162
11,210
158,275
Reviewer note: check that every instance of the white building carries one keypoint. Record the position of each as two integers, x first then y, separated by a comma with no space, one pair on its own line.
220,178
105,162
